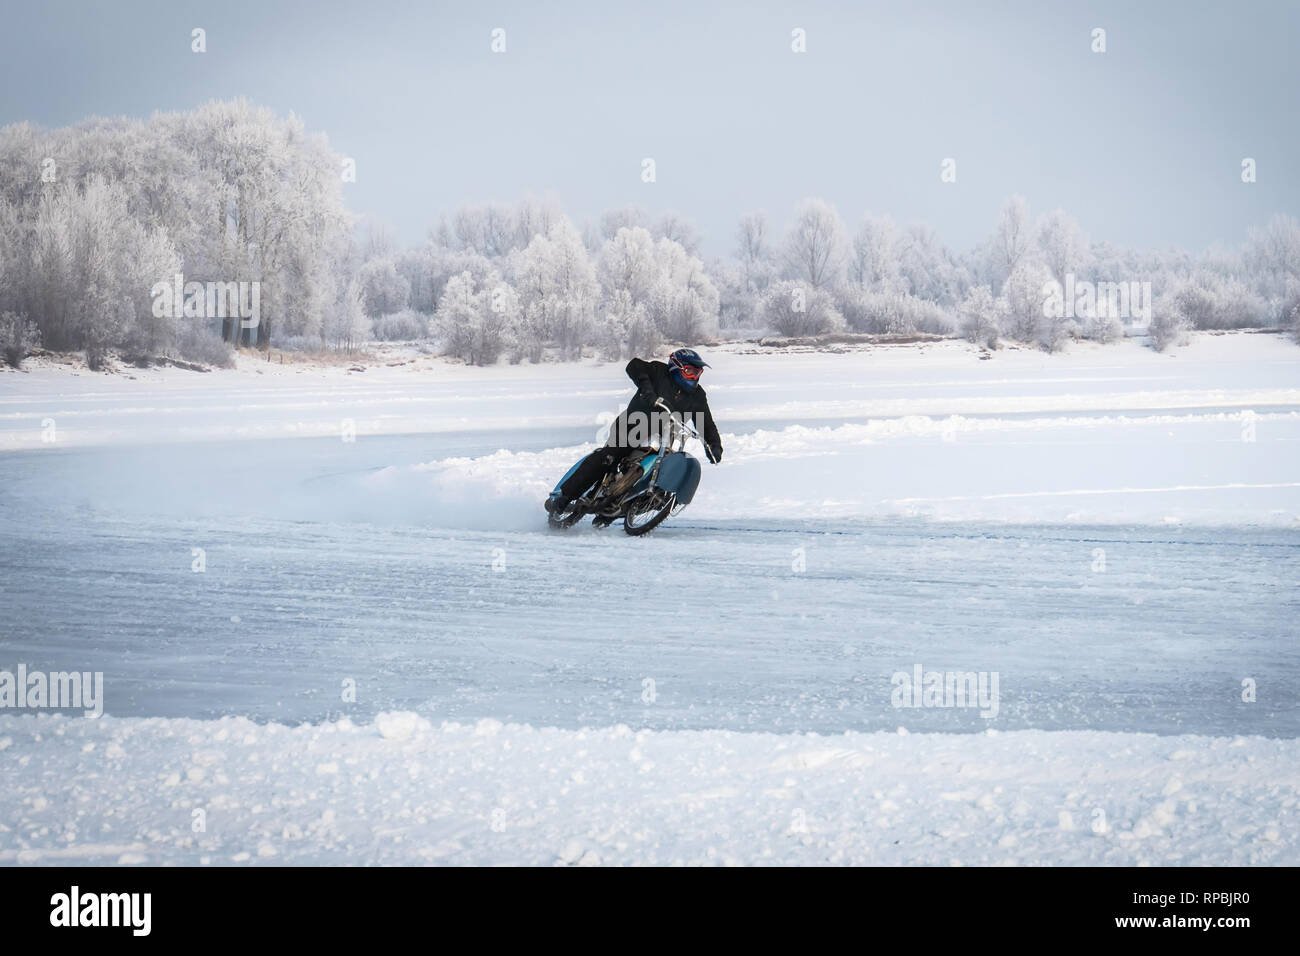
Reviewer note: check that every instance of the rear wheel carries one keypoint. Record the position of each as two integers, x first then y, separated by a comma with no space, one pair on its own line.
648,511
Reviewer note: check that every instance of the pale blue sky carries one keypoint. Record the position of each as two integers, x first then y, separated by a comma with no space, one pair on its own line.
1142,144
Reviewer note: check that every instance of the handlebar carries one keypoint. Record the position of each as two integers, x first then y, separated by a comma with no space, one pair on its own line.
679,425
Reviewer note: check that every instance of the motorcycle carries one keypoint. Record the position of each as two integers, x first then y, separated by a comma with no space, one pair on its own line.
649,484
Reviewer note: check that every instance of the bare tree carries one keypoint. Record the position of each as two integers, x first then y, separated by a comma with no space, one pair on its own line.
814,246
628,217
680,230
752,248
874,265
1012,239
1062,244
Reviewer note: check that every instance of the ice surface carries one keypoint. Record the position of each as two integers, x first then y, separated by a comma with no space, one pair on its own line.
1099,528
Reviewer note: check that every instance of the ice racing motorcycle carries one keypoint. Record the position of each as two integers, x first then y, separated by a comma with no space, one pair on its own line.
649,484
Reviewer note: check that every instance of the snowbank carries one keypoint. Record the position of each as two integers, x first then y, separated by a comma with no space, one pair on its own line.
1209,434
402,790
429,395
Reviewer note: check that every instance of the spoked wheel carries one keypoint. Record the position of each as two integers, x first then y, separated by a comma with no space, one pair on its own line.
565,519
648,511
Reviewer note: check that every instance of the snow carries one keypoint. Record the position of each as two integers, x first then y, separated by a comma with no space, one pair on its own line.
1111,530
403,790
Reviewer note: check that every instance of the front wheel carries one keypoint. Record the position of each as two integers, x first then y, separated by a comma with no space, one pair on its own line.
565,519
648,511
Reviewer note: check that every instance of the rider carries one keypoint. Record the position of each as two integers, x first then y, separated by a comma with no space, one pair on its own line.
677,383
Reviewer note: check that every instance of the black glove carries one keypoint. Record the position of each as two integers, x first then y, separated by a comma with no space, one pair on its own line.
646,393
715,452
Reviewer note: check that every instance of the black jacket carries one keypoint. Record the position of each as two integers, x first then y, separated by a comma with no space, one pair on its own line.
657,377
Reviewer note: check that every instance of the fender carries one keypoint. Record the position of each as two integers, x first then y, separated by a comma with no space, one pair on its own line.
679,474
556,490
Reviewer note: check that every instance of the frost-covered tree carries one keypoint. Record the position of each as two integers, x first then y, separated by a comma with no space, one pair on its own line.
1012,239
23,150
378,243
94,215
94,268
929,269
793,307
814,245
753,248
874,264
477,322
677,228
625,328
1273,256
441,234
684,301
427,269
558,292
14,254
272,189
1055,330
628,263
981,316
755,253
533,217
891,313
736,304
18,336
383,289
1062,246
488,229
740,286
680,299
1169,325
405,326
347,325
626,217
1024,294
416,266
1207,301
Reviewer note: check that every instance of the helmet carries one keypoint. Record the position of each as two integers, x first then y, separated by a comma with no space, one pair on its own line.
687,367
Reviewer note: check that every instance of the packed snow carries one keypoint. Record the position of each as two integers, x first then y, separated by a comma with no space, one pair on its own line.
403,790
329,614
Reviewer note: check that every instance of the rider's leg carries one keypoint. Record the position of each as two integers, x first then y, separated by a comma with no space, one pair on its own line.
593,468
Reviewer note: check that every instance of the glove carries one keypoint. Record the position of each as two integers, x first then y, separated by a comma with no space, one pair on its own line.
646,393
715,453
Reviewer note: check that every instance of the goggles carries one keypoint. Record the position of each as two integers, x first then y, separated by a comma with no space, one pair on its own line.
691,373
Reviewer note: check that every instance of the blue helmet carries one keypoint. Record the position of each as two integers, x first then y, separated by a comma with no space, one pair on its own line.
687,367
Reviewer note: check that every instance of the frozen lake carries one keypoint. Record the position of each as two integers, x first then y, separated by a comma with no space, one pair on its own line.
386,657
1119,568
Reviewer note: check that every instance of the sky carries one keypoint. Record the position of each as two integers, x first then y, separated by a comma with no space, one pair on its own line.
1143,144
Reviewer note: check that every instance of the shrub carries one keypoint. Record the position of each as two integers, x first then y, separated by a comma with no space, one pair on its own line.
1209,302
18,336
883,313
979,312
197,343
405,326
1023,294
1168,323
301,343
797,308
1104,329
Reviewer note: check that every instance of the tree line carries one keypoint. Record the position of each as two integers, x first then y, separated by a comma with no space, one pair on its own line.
96,218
